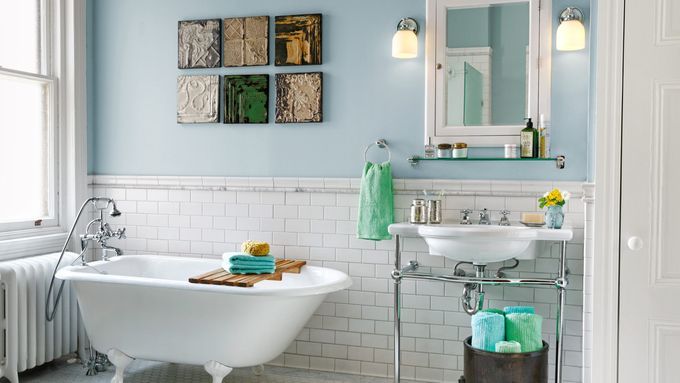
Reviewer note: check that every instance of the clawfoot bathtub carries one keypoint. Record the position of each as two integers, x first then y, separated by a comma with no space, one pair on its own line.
142,306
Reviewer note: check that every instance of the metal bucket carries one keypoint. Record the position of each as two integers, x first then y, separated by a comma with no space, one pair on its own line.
491,367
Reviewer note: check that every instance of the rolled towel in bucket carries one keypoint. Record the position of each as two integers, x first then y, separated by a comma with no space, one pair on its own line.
524,328
508,347
519,309
487,330
495,311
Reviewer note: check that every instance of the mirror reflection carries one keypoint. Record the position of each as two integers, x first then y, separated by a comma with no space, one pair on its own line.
486,65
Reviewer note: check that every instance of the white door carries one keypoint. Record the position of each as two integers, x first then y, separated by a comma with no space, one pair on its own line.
649,332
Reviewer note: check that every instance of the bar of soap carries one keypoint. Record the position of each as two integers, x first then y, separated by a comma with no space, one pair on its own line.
536,218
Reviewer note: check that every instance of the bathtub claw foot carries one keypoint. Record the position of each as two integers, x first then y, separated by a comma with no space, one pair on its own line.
217,370
120,360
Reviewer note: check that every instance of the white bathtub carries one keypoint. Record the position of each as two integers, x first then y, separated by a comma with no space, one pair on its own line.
144,307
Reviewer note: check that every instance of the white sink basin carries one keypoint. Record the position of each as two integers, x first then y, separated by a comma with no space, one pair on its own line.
482,244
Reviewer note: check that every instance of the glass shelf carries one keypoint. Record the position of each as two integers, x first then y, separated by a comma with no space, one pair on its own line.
560,161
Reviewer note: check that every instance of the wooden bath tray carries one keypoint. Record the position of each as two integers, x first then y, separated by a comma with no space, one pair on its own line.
225,278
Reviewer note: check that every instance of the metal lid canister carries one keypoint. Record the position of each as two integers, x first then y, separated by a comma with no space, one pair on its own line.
418,211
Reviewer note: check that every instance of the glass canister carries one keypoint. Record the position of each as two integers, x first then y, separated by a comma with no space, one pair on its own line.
418,211
510,150
444,151
434,211
460,150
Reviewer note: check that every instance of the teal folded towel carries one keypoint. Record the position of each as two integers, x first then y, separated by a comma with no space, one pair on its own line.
508,347
242,263
487,330
376,202
519,309
251,269
524,328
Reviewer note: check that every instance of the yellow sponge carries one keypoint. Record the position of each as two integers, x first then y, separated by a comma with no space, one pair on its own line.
255,248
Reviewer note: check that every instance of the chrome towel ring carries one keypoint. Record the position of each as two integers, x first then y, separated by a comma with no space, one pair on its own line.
382,144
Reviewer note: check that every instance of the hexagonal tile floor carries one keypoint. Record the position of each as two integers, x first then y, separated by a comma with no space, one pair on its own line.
65,371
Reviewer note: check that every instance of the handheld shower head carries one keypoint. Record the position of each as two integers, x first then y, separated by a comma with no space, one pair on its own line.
114,210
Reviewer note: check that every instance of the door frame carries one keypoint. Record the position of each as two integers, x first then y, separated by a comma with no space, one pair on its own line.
610,44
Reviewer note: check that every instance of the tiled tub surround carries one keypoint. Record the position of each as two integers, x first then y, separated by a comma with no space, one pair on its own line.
314,219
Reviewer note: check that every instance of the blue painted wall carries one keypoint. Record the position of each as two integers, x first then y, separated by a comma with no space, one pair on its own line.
367,95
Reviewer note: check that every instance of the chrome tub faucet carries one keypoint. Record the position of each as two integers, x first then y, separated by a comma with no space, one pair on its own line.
104,232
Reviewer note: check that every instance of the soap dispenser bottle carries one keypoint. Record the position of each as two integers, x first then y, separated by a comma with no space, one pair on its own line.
529,141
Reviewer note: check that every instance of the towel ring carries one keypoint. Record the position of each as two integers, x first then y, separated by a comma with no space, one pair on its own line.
381,144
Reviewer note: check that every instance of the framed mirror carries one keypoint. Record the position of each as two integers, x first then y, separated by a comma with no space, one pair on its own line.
484,73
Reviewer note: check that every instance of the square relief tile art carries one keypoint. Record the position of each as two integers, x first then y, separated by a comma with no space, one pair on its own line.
246,99
298,97
198,44
298,40
246,41
198,99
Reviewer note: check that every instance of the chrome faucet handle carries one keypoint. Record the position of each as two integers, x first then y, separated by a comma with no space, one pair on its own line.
120,233
466,217
504,218
484,217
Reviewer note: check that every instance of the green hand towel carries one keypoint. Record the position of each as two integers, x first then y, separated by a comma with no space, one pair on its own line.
495,311
524,328
508,347
519,309
376,202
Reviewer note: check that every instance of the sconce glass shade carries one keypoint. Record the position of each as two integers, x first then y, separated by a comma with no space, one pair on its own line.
571,34
405,45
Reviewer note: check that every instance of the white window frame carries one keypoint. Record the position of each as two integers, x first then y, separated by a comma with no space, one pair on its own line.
538,97
64,34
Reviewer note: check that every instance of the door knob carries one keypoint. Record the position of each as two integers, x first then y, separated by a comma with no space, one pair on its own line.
635,243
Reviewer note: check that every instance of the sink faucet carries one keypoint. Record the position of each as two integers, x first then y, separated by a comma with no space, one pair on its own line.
484,218
504,218
466,217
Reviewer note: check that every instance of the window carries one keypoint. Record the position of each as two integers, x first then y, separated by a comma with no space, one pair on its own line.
28,119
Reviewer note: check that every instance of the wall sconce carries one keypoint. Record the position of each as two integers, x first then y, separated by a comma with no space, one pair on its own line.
571,34
405,40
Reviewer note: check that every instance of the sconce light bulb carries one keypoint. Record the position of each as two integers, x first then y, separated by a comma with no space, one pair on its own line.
404,45
571,33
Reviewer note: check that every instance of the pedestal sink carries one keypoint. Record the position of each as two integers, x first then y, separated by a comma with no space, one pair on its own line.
482,244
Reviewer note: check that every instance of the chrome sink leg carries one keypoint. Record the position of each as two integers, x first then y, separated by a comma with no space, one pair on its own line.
396,277
561,277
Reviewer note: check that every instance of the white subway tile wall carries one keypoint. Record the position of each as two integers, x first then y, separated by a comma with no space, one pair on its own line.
314,219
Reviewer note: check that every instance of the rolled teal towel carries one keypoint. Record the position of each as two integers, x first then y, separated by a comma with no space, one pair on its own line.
524,328
495,311
376,202
519,309
508,347
235,269
487,330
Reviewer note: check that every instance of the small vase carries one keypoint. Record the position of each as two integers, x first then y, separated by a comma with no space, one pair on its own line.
554,217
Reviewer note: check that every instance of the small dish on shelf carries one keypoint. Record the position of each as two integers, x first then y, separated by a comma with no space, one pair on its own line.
532,224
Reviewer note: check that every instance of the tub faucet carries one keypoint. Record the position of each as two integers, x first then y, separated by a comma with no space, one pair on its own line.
484,218
104,233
